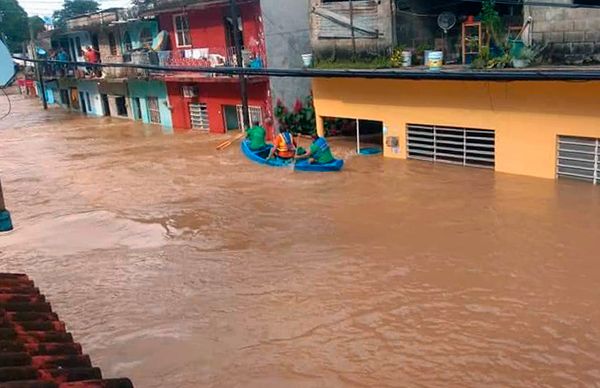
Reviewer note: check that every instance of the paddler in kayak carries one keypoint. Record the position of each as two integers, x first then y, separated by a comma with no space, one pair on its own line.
319,152
256,135
284,145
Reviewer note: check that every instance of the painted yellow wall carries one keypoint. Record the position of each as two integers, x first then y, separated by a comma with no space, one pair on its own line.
526,115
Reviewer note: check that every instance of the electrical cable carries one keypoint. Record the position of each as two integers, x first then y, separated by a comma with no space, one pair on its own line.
464,75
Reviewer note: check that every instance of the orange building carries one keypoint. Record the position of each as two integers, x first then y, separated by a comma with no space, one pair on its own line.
538,127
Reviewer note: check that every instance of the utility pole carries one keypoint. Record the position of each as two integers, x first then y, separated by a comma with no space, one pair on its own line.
352,30
5,221
38,70
238,54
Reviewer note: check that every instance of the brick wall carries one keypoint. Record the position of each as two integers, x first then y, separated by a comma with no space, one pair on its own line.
572,34
107,57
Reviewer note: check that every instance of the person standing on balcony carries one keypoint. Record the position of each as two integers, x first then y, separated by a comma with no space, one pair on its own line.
62,56
92,56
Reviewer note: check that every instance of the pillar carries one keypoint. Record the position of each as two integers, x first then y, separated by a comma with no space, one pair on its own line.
320,126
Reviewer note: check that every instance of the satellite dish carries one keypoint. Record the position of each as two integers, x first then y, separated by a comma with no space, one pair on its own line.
7,66
446,21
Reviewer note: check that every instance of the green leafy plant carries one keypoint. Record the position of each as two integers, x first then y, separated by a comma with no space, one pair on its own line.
300,119
491,21
396,58
420,52
499,62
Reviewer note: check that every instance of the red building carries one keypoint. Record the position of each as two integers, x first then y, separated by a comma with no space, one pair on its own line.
203,34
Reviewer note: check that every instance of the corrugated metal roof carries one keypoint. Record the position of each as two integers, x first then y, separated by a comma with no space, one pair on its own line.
36,351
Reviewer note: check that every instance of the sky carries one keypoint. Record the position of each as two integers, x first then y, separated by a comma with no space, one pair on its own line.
46,7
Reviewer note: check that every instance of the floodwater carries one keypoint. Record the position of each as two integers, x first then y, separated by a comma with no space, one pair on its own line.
178,266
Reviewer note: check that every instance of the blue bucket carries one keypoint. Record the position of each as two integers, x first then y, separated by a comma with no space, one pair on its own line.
5,221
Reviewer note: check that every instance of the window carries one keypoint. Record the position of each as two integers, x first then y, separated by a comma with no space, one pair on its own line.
112,43
463,146
578,158
154,110
199,116
182,30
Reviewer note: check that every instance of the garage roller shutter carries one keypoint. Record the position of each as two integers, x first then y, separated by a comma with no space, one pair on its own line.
462,146
579,158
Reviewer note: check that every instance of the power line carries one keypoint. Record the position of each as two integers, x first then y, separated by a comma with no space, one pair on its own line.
465,75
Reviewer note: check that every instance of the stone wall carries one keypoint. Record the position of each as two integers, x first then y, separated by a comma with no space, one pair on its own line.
572,34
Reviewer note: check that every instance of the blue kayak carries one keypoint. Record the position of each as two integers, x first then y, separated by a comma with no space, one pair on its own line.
260,156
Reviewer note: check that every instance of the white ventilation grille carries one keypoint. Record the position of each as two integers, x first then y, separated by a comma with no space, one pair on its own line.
199,117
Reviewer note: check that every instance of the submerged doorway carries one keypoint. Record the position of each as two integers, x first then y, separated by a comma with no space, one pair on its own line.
137,108
83,103
368,134
74,95
105,105
231,118
121,106
369,137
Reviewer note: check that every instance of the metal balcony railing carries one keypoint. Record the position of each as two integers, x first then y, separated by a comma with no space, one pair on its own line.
206,57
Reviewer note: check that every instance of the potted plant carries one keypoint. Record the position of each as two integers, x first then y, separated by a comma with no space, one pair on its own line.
419,53
524,57
401,57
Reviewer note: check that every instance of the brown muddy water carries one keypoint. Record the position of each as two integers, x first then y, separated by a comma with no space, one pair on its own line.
178,266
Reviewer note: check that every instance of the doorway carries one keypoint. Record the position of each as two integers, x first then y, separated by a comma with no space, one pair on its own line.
83,103
105,105
254,113
368,134
121,106
231,30
64,98
231,118
137,108
74,95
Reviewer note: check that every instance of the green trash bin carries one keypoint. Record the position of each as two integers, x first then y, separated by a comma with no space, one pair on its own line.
516,46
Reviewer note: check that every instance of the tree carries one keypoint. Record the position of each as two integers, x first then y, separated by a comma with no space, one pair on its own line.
72,8
13,24
37,24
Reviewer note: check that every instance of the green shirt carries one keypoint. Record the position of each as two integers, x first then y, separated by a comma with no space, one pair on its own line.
322,157
256,135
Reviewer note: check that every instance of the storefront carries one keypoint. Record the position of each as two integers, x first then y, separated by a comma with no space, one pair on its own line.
515,127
